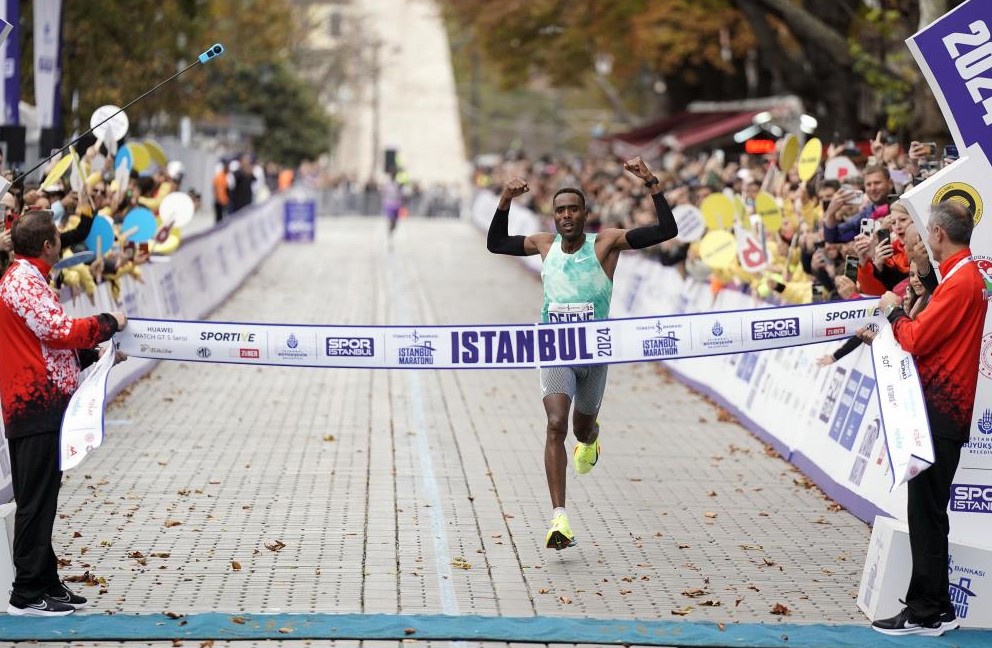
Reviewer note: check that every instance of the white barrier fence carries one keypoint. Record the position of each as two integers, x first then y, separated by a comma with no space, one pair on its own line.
186,285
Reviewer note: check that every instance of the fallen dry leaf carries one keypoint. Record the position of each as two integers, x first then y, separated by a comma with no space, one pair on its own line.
710,603
461,563
235,565
275,546
710,514
285,630
409,631
543,590
174,615
328,437
565,600
712,493
172,523
695,593
721,627
682,611
781,610
240,620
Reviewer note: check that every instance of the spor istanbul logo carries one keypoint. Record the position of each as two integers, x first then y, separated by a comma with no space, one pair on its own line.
963,194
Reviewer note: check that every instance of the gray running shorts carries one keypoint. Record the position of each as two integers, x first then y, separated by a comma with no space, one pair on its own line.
583,384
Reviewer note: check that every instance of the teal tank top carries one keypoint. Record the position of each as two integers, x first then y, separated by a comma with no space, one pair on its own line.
576,288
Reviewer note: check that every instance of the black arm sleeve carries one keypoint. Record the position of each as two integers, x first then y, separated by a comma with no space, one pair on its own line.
499,240
667,228
888,275
929,281
79,233
852,343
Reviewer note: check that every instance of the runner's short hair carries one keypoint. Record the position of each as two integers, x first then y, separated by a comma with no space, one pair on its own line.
571,190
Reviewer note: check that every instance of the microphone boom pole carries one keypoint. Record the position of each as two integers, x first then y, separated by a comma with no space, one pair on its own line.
213,52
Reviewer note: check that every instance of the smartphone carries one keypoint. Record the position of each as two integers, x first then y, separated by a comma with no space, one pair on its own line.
8,219
892,198
867,226
851,268
930,149
857,198
819,294
883,235
890,139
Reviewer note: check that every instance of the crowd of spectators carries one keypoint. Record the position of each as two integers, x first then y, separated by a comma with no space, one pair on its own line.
839,238
75,199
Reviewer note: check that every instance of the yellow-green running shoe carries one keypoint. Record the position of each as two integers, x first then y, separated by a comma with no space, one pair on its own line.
560,534
585,456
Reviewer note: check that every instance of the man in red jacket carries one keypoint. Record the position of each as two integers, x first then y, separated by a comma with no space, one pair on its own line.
42,352
945,340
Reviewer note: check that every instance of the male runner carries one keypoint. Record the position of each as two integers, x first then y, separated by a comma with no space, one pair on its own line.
578,279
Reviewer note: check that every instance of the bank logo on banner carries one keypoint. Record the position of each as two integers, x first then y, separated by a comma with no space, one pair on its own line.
963,583
419,350
661,339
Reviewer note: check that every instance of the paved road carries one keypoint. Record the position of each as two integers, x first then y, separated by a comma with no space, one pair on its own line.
423,491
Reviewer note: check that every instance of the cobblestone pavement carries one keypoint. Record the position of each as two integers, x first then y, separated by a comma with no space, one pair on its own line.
242,489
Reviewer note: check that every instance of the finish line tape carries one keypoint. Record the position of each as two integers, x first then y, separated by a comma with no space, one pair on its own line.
483,346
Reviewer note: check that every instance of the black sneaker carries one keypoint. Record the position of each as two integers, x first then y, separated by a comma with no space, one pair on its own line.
44,606
63,594
907,623
949,621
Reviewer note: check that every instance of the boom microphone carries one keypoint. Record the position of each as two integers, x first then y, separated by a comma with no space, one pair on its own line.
213,52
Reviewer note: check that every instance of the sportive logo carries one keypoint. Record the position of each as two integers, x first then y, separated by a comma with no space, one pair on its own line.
363,347
851,313
217,336
971,498
962,194
203,352
775,329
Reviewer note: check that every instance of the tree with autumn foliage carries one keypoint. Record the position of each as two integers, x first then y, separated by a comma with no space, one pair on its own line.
837,56
114,52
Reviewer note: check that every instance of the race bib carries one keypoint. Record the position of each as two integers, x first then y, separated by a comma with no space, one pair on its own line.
582,312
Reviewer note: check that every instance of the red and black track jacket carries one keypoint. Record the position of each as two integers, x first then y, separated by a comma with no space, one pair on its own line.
39,369
946,339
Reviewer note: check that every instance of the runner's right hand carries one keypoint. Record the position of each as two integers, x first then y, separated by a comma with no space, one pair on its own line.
515,187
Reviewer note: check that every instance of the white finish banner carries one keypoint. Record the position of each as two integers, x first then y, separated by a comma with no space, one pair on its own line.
481,346
47,67
904,416
82,425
